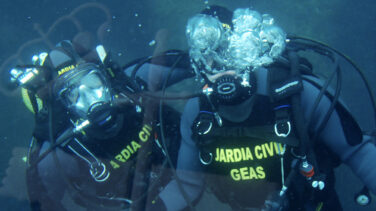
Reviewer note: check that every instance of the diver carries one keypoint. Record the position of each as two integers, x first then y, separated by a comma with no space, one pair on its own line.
266,134
96,140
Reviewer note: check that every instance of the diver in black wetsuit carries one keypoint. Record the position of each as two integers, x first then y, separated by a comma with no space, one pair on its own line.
96,141
264,136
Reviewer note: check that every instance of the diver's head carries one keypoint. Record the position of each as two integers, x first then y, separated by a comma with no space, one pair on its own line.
86,92
250,41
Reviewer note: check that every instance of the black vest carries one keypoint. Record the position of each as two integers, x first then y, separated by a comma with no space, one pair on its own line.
243,160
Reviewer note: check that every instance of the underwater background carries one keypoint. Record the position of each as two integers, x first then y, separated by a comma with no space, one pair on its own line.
133,29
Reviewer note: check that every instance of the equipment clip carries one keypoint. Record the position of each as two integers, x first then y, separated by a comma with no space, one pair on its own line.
282,128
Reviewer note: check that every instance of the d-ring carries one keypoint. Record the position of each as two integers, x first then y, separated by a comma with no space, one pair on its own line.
206,162
283,135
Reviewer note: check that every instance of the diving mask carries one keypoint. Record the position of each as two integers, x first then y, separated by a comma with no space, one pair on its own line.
84,90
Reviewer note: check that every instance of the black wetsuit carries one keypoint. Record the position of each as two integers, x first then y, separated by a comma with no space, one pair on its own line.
333,141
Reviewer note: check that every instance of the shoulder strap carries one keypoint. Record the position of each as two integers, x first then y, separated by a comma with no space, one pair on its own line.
281,82
258,132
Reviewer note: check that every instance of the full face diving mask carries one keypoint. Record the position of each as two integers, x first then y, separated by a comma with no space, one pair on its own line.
85,92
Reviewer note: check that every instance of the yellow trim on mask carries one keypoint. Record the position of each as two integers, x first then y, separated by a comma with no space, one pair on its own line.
27,101
226,26
65,69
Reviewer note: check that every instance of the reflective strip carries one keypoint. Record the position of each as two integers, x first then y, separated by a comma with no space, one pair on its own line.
319,206
286,86
27,101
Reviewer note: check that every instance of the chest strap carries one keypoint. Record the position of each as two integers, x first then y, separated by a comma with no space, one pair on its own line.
258,132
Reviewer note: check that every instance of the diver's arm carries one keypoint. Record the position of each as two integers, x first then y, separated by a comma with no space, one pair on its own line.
360,157
155,75
47,179
56,168
188,167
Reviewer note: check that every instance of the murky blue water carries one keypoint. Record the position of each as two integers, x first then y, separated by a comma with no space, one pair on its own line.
129,29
